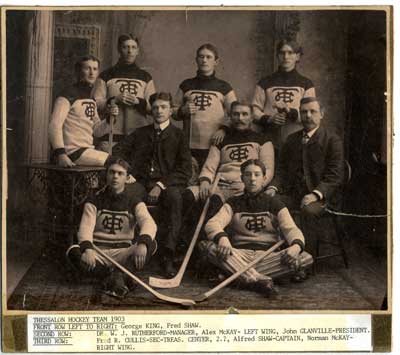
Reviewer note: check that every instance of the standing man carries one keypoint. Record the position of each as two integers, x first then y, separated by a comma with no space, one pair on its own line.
277,97
161,162
129,85
108,221
205,101
311,168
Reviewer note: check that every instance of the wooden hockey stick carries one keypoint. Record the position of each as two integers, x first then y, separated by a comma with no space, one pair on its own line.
181,301
177,279
111,134
202,297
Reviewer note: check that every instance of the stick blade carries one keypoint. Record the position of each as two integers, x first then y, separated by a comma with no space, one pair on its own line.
200,298
164,283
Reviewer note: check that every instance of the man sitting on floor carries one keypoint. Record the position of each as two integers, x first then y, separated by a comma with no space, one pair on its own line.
255,221
108,221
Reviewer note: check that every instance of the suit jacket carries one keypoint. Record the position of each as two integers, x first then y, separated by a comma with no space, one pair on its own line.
173,154
317,165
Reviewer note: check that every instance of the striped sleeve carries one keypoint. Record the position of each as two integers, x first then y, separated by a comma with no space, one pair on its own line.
215,226
258,102
147,227
268,158
211,165
58,116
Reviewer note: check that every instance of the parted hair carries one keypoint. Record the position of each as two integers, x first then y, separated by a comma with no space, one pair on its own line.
290,42
125,37
307,100
117,160
210,47
79,63
241,103
256,162
161,95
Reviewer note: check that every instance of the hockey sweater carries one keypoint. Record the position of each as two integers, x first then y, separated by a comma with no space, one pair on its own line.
125,78
237,147
213,98
282,87
254,222
111,218
75,120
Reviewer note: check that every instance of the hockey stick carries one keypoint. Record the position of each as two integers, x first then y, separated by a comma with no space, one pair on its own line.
176,280
111,134
202,297
181,301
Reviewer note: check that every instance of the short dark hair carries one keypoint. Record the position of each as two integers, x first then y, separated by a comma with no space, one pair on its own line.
117,160
307,100
162,95
256,162
210,47
126,37
290,42
81,60
241,103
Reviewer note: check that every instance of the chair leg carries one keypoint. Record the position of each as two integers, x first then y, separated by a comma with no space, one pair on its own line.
339,234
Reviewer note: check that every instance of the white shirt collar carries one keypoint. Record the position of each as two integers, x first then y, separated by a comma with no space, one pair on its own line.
162,126
310,133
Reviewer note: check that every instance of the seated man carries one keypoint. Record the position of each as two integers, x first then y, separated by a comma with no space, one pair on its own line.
239,145
75,120
310,170
161,162
108,221
255,222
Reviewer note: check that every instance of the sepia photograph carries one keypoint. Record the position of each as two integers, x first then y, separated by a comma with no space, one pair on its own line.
183,158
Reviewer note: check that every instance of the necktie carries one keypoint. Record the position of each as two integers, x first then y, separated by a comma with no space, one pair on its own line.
306,138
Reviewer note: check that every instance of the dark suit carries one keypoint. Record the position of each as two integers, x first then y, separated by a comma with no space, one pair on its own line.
303,168
174,169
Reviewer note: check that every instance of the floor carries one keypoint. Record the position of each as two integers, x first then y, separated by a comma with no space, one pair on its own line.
47,286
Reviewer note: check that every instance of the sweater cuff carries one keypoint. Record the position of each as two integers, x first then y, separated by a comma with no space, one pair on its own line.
265,121
218,236
300,243
293,114
59,151
149,242
85,245
204,178
318,194
182,115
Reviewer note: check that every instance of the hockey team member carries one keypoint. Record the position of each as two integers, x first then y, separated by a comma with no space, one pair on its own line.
204,102
254,221
240,144
277,97
109,220
75,120
161,162
131,87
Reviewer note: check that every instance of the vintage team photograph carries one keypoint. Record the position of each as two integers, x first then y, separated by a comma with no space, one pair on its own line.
166,159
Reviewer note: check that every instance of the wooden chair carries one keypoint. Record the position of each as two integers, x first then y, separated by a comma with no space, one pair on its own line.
340,231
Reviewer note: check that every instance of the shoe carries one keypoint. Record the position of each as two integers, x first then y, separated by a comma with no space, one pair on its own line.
115,286
73,261
264,286
300,276
169,269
